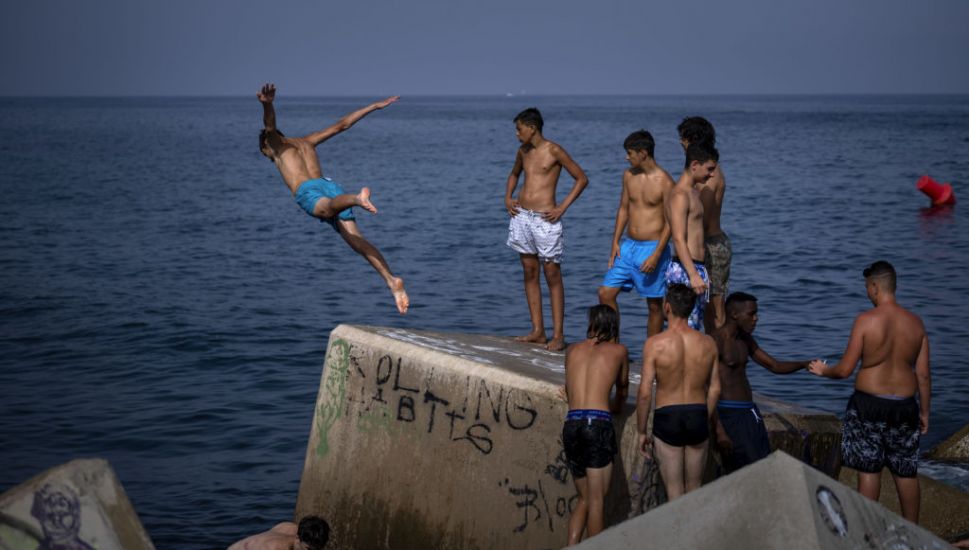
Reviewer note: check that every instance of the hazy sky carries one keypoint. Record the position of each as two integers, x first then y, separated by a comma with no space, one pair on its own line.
371,47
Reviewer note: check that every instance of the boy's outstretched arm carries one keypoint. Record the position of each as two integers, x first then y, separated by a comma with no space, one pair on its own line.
849,360
347,121
765,360
581,181
266,96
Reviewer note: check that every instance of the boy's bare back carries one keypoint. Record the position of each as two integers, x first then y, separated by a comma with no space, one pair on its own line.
683,362
892,339
646,193
591,370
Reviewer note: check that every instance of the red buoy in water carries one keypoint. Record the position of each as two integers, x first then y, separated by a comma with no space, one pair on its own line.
940,193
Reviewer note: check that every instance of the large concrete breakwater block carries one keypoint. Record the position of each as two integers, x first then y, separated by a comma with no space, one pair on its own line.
76,505
778,502
427,440
954,449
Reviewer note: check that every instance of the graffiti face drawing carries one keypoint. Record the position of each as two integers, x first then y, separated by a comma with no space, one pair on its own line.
58,510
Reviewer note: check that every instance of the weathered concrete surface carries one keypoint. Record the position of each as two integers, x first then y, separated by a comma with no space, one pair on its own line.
944,509
80,504
954,449
453,441
778,502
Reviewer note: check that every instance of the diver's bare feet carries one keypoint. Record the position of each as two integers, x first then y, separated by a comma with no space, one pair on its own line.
533,338
557,344
400,295
363,201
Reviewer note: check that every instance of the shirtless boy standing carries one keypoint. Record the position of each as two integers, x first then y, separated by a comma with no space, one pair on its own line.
535,230
640,260
684,212
592,368
719,251
741,434
683,362
312,534
883,421
321,197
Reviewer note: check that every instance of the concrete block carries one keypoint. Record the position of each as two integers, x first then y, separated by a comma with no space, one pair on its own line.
779,502
76,505
431,440
954,449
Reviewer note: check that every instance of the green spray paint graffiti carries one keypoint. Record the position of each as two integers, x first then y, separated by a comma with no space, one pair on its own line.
334,394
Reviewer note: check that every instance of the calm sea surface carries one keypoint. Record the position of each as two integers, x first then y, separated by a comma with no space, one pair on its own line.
164,303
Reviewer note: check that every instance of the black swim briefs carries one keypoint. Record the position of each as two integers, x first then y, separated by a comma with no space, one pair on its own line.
589,439
879,432
681,425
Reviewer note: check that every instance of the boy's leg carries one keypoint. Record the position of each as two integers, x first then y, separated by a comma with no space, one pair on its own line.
870,485
556,291
331,207
654,325
599,479
695,458
670,460
714,315
533,295
909,496
351,234
609,296
577,520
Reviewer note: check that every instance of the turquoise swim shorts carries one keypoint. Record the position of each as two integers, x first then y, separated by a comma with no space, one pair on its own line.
311,191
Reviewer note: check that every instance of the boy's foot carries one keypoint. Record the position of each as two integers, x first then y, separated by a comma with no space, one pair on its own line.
400,295
532,338
557,344
363,198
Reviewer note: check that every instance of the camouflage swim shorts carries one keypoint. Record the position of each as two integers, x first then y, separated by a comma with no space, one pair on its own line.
719,253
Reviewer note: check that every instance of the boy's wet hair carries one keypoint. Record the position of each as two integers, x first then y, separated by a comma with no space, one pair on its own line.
702,153
640,140
530,117
603,323
264,135
696,129
884,271
681,299
314,532
737,298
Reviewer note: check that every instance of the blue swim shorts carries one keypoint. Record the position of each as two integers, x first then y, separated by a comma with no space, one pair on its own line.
626,273
676,273
311,191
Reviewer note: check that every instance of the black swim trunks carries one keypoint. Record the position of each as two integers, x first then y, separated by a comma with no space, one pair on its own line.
681,425
879,432
589,439
745,428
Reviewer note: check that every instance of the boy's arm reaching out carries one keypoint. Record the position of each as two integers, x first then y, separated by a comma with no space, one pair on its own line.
849,360
347,121
581,181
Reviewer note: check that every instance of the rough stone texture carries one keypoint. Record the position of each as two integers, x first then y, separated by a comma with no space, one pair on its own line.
434,440
954,449
944,509
778,502
78,501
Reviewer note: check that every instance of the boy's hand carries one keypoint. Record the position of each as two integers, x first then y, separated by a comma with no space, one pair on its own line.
924,422
267,93
646,446
724,442
554,214
563,394
650,264
386,102
818,367
613,254
696,282
512,206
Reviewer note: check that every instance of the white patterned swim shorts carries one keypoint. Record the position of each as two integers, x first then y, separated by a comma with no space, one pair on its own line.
529,233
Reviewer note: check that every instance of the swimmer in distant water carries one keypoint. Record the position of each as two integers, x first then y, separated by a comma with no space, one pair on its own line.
883,421
320,197
592,368
312,534
535,229
683,362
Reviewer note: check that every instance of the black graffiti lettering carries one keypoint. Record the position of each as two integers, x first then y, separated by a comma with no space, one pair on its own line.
561,507
548,513
495,405
434,400
406,402
481,442
453,415
397,385
388,362
559,469
530,412
526,500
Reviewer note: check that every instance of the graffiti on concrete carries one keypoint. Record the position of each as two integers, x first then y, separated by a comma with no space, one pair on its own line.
393,400
539,505
57,507
334,390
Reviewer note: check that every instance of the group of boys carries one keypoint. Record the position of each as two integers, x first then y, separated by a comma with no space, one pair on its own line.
701,381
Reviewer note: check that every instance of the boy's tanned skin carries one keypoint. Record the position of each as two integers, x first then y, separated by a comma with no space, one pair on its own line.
298,163
312,534
542,161
641,215
893,348
592,368
683,362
